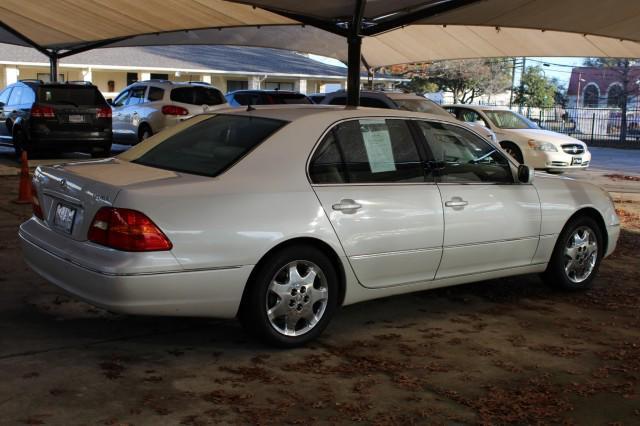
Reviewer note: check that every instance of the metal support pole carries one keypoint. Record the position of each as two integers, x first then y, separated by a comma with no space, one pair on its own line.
53,66
513,82
354,40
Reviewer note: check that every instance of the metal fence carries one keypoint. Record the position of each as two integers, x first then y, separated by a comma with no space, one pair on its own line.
595,126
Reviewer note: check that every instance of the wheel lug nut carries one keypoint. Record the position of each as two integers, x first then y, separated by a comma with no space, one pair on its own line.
299,307
292,303
294,292
306,299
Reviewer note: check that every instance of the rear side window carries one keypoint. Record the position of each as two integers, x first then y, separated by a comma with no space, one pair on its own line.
287,98
367,151
211,146
197,96
70,95
28,96
155,94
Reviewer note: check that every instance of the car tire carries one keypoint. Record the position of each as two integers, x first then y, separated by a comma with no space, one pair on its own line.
577,255
144,132
284,305
513,150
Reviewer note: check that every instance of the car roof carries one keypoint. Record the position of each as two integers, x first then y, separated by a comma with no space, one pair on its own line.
270,92
329,112
478,107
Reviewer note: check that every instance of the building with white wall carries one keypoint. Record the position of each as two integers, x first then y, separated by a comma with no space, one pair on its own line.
226,67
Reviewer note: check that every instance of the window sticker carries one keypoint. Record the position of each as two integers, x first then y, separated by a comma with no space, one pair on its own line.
377,142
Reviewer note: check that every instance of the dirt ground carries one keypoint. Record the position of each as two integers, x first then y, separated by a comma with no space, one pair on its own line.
509,351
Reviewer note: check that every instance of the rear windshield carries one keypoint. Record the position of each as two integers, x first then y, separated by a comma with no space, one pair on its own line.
197,96
211,146
70,95
421,105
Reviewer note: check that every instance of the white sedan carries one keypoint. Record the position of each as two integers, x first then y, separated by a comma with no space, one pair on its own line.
279,215
525,141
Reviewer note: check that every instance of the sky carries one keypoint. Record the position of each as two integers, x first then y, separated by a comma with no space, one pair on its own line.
559,68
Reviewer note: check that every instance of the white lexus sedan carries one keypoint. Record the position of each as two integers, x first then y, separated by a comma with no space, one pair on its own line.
279,215
525,141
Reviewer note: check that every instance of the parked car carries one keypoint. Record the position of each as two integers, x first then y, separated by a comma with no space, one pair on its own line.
37,116
266,97
317,98
525,141
148,107
281,214
403,101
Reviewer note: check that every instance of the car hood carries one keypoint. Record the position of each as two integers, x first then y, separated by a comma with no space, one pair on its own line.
544,136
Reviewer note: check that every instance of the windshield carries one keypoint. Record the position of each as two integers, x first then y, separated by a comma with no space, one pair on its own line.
421,105
211,146
70,95
509,120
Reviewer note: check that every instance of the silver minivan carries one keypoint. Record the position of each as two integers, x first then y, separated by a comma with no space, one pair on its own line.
147,107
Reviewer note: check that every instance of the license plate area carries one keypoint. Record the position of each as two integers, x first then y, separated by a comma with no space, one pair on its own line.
64,217
576,161
76,118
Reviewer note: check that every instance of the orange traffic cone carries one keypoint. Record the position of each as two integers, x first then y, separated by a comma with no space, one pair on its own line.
24,192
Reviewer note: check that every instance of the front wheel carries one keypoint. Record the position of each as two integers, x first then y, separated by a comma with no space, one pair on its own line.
292,297
577,255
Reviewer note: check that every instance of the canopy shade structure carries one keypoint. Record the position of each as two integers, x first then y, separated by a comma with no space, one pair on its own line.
383,32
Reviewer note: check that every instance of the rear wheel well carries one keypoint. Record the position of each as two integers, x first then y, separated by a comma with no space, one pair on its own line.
595,215
143,126
320,245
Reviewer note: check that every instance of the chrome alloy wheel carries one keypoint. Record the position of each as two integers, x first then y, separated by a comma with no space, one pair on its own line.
580,254
297,298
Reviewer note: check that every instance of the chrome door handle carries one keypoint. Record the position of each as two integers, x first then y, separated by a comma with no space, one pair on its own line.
346,206
456,202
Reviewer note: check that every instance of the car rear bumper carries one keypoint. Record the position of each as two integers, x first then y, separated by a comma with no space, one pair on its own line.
201,293
58,137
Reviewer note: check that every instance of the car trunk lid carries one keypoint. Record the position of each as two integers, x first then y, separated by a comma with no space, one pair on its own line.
71,194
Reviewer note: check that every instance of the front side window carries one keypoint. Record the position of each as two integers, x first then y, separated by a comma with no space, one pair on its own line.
137,95
210,146
16,95
4,96
462,157
121,99
367,151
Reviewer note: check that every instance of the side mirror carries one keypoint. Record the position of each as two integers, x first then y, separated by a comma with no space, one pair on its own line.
110,101
525,174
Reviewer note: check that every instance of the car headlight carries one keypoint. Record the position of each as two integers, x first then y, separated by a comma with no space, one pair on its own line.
542,146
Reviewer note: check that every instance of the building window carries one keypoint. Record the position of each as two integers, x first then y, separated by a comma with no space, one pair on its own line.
615,97
132,77
233,85
274,85
155,76
590,97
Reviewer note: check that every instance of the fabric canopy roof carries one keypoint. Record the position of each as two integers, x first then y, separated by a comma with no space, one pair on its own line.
398,31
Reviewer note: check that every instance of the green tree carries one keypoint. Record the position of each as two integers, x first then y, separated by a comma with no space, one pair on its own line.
535,89
468,79
419,85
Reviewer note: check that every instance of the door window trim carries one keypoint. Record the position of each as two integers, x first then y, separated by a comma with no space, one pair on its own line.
332,126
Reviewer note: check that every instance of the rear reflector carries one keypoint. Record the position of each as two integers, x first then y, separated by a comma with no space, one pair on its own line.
42,111
174,110
103,113
127,230
35,203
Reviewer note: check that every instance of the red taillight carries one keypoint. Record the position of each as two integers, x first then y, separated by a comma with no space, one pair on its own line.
127,230
103,113
42,111
174,110
35,203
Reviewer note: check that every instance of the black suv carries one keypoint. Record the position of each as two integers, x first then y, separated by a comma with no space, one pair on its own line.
266,97
37,116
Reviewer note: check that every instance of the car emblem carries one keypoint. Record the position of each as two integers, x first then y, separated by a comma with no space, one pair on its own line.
63,183
575,149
